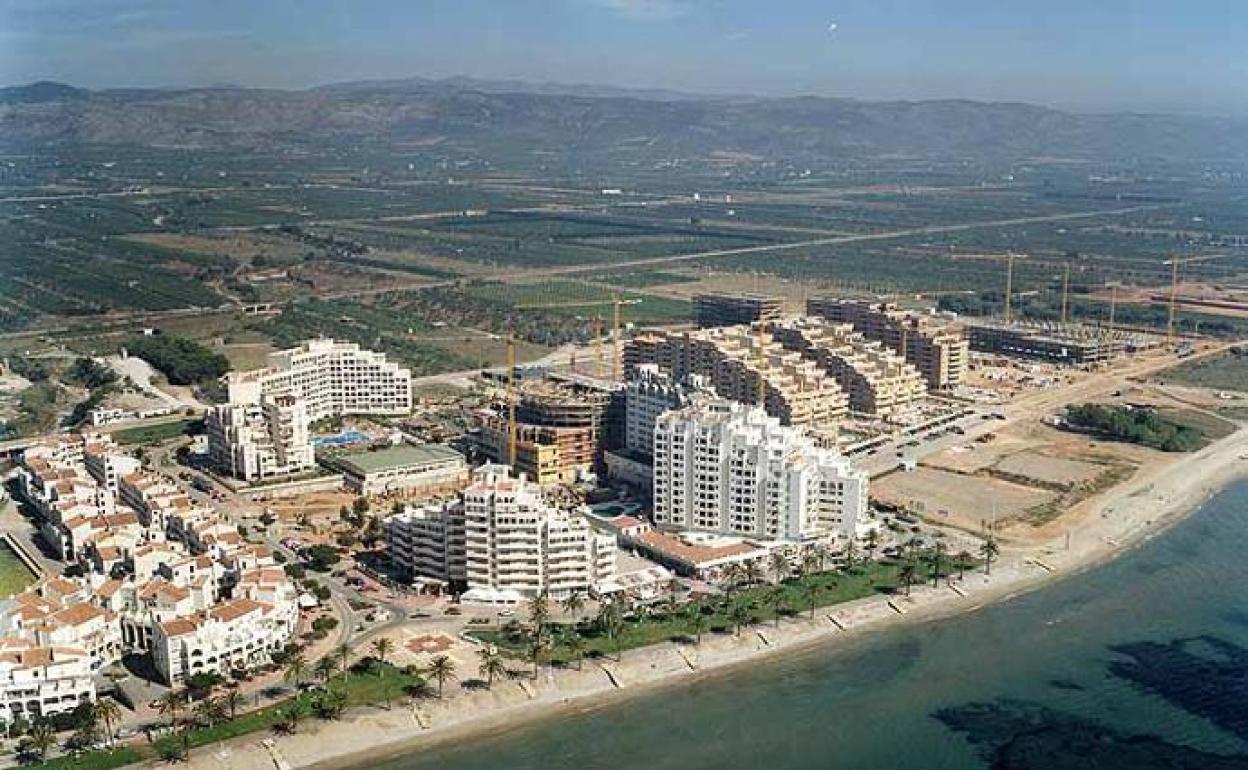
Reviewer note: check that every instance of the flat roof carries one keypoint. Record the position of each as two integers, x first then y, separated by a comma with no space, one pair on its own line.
399,456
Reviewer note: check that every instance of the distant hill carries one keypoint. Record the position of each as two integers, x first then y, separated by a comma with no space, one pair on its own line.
505,122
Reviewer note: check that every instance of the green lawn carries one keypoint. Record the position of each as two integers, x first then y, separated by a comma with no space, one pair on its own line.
830,588
155,434
14,576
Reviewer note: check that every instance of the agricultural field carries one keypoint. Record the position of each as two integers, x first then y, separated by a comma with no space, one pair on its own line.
1227,371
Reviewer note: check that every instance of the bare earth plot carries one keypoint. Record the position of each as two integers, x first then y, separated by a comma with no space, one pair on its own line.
1056,471
958,500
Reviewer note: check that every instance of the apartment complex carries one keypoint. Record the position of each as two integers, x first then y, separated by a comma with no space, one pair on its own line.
260,440
734,360
38,681
331,378
648,393
938,347
725,309
878,381
158,573
561,428
501,542
728,468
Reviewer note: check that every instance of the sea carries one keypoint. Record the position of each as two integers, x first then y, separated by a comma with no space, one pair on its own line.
1140,663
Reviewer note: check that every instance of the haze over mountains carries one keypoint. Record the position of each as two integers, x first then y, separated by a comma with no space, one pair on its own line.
497,119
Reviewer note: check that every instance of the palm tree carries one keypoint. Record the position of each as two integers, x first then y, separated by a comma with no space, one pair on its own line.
989,550
820,552
780,567
491,666
41,739
442,668
810,562
171,704
108,712
872,542
296,669
209,711
343,654
938,556
812,596
740,616
382,647
233,699
697,621
538,646
334,702
539,612
576,648
325,670
731,578
851,554
752,572
907,575
964,558
775,599
294,712
573,603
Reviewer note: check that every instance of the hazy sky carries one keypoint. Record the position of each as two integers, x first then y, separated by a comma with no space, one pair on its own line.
1185,55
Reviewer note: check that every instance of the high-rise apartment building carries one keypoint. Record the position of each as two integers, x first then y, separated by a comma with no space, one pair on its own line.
332,378
502,542
728,468
256,441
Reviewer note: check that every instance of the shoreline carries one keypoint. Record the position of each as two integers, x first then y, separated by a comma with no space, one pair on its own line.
1100,529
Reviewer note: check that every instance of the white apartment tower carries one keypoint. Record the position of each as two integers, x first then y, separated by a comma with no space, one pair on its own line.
728,468
255,441
649,393
504,542
333,378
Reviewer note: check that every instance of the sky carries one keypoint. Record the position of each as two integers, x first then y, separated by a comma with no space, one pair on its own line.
1086,55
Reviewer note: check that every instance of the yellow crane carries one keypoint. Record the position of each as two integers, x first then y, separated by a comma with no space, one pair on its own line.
616,303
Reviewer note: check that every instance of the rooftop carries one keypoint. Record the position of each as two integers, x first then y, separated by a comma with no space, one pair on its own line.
399,456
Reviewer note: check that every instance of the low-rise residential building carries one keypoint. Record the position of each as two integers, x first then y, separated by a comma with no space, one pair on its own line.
502,542
404,470
238,634
728,468
39,681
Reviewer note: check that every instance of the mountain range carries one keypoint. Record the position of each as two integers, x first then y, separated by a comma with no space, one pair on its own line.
498,120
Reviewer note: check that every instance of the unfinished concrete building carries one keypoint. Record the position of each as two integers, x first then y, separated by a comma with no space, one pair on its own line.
716,309
878,381
561,429
938,347
796,391
1075,344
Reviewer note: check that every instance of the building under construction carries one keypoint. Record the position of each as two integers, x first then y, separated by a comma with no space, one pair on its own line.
742,362
937,347
879,382
1069,343
712,310
562,426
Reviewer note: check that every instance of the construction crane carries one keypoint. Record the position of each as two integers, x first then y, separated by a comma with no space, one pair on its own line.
1009,283
616,303
1066,294
1174,262
511,401
762,364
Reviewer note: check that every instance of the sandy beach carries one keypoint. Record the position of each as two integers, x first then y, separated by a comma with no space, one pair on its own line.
1098,529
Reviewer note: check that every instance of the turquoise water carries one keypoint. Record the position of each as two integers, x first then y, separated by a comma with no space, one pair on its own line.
1141,663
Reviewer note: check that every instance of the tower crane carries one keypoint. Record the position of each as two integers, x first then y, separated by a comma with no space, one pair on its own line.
616,303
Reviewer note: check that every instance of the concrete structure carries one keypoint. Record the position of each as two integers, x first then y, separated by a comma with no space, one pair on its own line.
734,359
332,378
502,543
725,309
238,634
260,440
562,426
406,470
730,469
937,346
1075,344
878,381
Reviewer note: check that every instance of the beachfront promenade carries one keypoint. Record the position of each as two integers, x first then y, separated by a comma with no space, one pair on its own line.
1100,528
